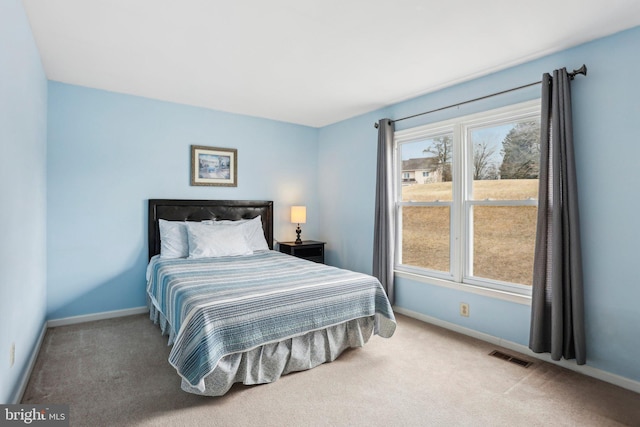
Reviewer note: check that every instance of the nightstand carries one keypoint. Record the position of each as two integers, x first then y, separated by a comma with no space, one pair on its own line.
308,249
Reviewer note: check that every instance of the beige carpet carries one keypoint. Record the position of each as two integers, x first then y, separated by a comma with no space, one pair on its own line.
115,373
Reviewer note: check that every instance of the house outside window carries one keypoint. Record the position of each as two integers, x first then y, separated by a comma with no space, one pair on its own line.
418,170
470,216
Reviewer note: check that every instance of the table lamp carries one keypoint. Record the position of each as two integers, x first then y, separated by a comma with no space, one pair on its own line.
298,216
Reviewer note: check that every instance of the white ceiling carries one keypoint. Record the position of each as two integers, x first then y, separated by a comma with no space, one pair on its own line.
311,62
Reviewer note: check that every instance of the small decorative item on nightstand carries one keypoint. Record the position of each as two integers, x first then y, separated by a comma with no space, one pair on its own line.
308,249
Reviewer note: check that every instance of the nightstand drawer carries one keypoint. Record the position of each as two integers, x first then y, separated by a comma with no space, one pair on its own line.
309,249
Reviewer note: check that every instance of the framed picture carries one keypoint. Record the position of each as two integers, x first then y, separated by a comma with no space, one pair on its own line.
214,166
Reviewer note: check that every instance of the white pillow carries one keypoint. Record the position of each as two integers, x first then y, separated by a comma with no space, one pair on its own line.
253,232
173,239
229,221
206,241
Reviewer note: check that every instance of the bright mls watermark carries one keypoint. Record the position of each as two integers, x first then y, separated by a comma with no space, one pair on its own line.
35,415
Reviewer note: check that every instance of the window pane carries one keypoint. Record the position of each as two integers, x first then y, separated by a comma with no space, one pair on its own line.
426,169
505,162
425,237
503,243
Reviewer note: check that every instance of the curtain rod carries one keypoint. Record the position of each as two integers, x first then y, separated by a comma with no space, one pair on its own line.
582,70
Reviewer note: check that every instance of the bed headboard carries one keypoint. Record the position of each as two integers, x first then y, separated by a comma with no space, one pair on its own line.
198,210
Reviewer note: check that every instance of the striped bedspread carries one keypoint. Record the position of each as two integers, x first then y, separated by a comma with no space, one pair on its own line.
219,306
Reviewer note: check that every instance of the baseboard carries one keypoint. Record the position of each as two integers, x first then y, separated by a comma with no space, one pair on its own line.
590,371
22,385
96,316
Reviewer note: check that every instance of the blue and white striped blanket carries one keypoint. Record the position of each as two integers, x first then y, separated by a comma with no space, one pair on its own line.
219,306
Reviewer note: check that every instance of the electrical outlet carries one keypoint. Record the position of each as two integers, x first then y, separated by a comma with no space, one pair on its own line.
464,309
12,355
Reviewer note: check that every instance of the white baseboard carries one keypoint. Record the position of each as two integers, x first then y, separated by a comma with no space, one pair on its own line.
17,398
96,316
590,371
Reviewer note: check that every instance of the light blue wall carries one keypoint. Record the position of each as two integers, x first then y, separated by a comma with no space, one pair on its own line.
109,153
346,172
23,124
606,116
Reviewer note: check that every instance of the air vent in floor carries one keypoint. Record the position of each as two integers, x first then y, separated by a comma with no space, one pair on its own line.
512,359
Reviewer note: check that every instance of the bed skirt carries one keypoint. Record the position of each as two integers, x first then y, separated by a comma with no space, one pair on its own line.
267,363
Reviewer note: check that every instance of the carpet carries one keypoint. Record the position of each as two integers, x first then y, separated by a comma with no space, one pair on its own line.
115,373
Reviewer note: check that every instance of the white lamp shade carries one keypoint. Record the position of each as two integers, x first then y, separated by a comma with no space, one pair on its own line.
298,214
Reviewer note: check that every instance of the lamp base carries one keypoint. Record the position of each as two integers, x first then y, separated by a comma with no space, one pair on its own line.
298,231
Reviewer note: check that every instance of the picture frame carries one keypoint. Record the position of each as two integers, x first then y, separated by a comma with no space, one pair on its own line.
214,166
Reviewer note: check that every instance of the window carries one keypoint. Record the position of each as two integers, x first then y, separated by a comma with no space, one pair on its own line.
472,217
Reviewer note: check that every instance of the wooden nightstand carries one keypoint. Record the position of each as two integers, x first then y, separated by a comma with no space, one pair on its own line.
308,249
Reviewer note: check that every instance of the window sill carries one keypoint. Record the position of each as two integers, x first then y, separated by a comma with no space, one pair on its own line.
492,293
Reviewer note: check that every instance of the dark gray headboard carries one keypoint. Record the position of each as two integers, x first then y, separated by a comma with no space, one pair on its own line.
198,210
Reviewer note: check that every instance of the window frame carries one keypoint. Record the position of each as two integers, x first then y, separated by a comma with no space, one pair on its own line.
462,204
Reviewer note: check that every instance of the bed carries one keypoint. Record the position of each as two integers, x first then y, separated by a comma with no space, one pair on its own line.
235,310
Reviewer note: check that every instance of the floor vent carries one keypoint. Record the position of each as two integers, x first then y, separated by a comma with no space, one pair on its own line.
512,359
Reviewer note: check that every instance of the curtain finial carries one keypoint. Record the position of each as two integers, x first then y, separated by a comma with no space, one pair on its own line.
582,70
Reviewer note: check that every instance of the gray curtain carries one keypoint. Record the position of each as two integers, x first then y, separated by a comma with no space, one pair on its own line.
557,309
384,228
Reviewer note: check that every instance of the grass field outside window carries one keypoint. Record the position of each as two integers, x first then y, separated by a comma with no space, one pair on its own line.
467,198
